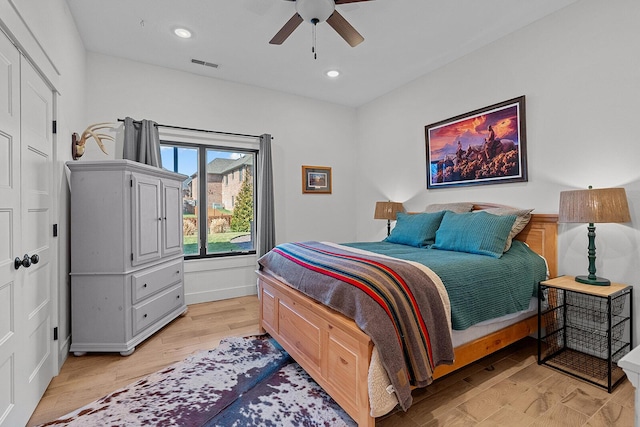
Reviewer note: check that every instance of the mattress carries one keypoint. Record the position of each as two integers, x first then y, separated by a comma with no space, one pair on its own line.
492,325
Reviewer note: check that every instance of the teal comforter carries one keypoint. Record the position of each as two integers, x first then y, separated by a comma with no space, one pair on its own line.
479,287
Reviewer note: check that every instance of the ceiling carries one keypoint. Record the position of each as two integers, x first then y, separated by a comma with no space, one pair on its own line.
404,39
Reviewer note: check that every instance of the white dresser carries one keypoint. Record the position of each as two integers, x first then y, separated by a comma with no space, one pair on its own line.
126,254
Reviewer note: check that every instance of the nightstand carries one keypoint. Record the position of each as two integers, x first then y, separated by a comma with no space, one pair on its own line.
584,330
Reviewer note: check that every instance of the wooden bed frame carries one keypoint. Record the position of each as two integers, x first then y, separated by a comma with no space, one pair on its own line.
336,353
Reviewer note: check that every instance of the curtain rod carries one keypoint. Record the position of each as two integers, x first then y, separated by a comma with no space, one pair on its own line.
201,130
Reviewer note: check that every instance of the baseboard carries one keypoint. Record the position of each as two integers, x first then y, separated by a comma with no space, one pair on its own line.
63,352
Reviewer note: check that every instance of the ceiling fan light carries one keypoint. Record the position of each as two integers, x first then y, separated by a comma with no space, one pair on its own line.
311,10
333,73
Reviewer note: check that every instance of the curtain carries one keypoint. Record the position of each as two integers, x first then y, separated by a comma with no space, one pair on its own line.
141,142
266,217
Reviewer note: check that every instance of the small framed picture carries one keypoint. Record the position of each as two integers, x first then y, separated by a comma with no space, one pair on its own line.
316,179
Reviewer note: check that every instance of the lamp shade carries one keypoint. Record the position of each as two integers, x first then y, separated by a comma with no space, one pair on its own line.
599,205
387,210
311,10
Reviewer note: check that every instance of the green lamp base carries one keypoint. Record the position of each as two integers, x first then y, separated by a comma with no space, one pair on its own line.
597,281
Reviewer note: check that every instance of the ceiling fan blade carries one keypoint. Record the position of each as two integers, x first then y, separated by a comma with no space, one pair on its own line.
349,1
345,29
287,29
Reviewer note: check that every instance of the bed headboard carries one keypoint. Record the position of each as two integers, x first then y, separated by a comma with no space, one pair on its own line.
541,234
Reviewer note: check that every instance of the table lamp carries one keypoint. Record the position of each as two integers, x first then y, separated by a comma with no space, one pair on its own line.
389,211
591,206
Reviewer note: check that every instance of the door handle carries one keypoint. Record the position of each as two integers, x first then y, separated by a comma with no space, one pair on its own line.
26,261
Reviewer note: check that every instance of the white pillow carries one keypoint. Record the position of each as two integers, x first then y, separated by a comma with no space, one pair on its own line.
457,207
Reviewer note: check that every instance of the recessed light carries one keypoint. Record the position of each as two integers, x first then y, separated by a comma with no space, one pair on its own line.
333,73
183,33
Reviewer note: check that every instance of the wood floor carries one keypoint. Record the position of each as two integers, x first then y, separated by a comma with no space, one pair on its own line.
504,389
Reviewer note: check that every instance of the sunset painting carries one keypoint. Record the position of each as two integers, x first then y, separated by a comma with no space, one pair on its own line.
481,147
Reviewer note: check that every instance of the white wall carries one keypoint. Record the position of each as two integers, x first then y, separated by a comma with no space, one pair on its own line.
305,131
578,69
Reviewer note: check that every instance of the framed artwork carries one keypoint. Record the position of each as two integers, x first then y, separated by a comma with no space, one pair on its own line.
485,146
316,179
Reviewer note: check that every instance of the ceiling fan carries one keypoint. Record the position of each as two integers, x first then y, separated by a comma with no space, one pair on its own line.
316,11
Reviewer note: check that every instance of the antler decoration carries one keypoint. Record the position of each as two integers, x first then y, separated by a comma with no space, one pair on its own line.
78,142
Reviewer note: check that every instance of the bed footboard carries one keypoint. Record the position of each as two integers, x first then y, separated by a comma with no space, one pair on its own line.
329,346
337,354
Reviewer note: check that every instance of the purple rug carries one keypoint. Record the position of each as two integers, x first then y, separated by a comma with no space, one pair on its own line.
244,382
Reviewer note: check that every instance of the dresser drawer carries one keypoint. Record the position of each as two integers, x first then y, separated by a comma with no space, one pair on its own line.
149,281
149,312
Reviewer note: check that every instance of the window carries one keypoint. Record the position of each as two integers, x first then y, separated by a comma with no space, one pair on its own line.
227,204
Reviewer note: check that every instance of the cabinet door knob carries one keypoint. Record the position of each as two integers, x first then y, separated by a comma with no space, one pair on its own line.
144,286
144,316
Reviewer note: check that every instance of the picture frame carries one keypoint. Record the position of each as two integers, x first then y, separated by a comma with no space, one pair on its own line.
484,146
316,180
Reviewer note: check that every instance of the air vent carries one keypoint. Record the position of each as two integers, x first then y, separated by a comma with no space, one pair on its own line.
205,63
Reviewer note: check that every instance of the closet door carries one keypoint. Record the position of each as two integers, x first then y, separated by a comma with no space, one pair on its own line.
11,280
37,363
26,359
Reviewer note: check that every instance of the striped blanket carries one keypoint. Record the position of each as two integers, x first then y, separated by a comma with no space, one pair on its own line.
401,305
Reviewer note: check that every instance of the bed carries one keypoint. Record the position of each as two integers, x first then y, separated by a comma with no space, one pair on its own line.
338,354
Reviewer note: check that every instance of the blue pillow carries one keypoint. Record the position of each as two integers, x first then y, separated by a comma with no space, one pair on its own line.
477,233
417,230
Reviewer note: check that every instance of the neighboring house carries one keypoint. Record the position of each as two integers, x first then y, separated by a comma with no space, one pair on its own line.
224,179
233,177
